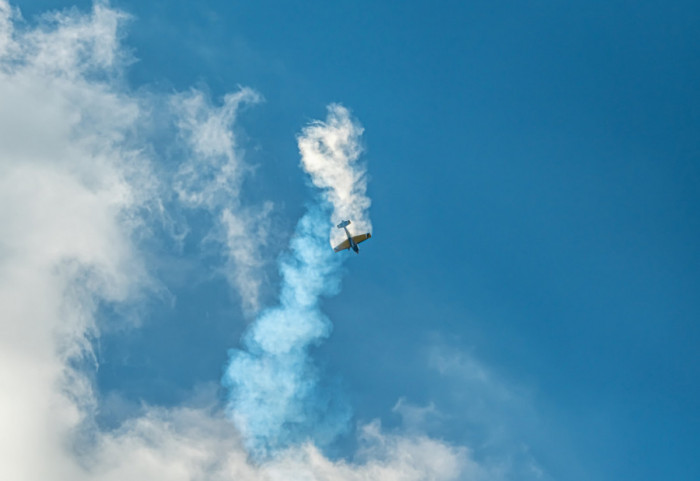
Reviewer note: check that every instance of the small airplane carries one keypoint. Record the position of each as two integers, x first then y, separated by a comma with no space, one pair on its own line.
352,241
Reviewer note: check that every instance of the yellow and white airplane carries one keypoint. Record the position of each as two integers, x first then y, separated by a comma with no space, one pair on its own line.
352,241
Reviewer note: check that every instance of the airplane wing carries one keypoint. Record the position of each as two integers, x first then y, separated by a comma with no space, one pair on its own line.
361,238
343,245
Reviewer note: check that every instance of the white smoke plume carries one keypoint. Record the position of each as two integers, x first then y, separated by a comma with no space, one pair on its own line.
330,154
78,189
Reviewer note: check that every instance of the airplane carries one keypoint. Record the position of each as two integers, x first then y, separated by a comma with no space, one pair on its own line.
352,241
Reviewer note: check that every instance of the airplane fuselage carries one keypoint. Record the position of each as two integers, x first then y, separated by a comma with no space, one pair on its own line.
353,244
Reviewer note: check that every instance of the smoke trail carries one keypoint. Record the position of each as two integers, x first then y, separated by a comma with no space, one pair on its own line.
274,398
329,153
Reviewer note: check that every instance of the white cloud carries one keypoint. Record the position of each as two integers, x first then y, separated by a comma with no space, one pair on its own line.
381,457
213,175
69,187
6,17
416,418
190,444
211,178
497,415
245,233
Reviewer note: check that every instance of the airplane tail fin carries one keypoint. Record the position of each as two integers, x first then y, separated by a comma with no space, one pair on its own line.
345,223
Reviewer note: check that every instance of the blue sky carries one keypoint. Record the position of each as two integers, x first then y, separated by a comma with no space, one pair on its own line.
530,292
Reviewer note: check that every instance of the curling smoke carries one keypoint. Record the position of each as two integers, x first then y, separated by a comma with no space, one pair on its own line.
274,399
329,154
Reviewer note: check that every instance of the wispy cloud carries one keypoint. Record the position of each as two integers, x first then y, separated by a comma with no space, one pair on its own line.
210,177
494,414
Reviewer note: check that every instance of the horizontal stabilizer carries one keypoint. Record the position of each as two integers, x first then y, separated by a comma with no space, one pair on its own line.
345,223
